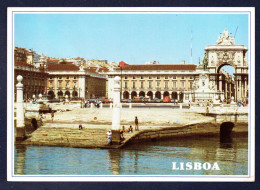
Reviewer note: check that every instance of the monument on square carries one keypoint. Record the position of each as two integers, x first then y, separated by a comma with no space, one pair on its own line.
116,112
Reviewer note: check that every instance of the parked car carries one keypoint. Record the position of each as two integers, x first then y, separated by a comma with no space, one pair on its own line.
137,99
166,99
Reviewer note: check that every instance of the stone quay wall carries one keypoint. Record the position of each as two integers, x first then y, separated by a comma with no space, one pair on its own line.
199,129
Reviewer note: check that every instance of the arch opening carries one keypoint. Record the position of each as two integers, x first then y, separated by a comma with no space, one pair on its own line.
226,132
126,95
133,94
142,93
226,81
158,95
150,94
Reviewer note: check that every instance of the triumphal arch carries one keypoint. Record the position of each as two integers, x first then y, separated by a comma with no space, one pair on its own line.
225,52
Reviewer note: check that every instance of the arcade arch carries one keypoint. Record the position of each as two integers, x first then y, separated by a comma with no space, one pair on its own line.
158,95
133,94
126,95
150,94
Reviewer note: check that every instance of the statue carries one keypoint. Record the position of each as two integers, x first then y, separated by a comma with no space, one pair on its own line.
205,61
225,39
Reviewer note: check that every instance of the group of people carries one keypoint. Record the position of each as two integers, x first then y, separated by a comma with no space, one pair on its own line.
122,131
43,116
96,103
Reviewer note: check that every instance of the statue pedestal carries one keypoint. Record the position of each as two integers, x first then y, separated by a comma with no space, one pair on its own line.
116,140
20,134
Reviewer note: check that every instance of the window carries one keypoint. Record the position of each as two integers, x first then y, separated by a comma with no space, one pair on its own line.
126,84
174,77
158,84
75,77
166,84
50,77
182,77
182,84
142,84
60,84
133,84
50,83
75,84
174,84
166,77
150,84
142,77
150,77
158,77
133,77
126,77
67,77
60,77
190,85
191,77
67,84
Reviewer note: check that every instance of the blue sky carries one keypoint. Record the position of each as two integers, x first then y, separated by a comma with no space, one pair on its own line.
133,38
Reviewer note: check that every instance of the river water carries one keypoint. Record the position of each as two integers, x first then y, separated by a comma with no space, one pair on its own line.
149,158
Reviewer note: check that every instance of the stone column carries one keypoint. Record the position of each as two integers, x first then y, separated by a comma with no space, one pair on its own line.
226,89
240,90
235,84
116,112
245,87
230,89
55,86
20,127
220,83
178,96
82,86
154,94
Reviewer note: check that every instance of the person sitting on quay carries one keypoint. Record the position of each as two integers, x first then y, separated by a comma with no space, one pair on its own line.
109,137
130,130
42,116
80,127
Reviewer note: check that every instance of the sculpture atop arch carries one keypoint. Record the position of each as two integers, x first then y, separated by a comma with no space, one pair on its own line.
225,39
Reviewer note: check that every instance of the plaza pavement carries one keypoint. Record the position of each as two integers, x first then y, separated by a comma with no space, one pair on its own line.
148,117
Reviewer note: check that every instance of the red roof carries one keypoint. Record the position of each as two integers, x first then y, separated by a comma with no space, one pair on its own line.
159,67
53,60
24,64
122,63
62,67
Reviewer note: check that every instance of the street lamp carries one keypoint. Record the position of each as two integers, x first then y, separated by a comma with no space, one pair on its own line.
121,84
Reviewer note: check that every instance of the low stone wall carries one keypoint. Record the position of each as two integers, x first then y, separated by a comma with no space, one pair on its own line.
200,129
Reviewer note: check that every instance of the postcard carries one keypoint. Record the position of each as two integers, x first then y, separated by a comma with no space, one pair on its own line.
131,94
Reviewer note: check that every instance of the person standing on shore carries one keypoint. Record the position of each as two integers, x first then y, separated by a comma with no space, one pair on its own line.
136,124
